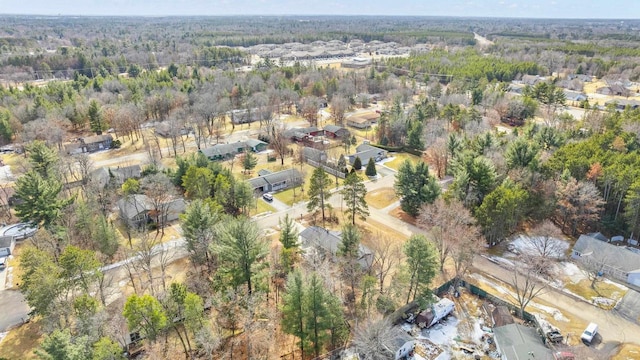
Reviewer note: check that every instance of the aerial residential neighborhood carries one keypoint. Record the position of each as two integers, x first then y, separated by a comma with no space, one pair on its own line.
316,187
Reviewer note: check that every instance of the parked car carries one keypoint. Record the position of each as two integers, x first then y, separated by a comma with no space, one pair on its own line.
267,197
589,333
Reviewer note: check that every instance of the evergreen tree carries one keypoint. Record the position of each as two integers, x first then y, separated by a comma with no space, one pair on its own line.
357,163
317,315
198,222
422,264
371,171
289,241
40,203
242,252
95,117
353,193
342,164
319,191
349,252
294,309
249,161
415,186
414,135
43,158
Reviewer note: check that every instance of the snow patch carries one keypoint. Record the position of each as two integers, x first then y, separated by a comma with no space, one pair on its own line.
442,333
557,315
534,245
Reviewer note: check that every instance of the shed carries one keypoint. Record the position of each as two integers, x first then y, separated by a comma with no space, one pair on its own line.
435,313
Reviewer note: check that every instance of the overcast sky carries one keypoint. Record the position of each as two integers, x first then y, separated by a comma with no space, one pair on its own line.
612,9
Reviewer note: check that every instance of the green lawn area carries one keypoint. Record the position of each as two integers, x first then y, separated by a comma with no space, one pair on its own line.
602,289
399,158
288,198
260,208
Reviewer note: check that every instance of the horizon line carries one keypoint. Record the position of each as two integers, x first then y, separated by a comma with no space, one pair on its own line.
310,15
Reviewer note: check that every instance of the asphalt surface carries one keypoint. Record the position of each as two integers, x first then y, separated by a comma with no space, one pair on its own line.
14,309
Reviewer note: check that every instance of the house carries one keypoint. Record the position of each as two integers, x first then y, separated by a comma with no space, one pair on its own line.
90,144
620,262
336,132
356,63
118,175
303,134
621,104
226,151
364,120
581,77
517,342
531,79
613,90
167,128
365,152
574,97
314,156
281,180
329,242
137,210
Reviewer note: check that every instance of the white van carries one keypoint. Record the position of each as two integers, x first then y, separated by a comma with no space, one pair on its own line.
267,197
589,333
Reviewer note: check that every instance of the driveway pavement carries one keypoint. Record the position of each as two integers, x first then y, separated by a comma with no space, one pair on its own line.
14,309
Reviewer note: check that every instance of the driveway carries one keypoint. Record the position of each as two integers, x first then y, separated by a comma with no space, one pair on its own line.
276,204
14,309
613,327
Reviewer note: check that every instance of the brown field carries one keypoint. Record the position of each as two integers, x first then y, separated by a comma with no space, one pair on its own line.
21,342
381,198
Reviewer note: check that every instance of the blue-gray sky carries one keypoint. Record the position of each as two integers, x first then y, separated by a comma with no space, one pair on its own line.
611,9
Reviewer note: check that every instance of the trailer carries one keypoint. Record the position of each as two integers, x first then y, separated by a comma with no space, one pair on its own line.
435,313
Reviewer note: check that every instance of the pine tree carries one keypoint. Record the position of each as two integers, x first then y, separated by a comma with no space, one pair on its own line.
319,191
95,117
371,168
289,240
294,309
249,161
317,317
357,163
353,193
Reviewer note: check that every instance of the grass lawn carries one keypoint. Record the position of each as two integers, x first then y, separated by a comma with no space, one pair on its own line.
261,207
22,341
603,289
628,352
399,158
381,198
288,198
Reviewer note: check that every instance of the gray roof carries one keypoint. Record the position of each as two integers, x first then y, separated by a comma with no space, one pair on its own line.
121,173
314,154
133,205
517,342
365,147
333,128
365,152
615,256
229,149
264,172
329,241
97,139
276,177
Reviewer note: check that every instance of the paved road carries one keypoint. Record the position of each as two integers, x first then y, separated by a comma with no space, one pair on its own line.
613,327
14,309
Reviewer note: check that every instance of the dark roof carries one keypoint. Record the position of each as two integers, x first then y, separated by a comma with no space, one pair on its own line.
618,257
333,128
517,342
276,177
97,139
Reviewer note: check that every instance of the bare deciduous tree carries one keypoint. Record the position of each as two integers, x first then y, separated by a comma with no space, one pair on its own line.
376,340
386,256
527,283
449,224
